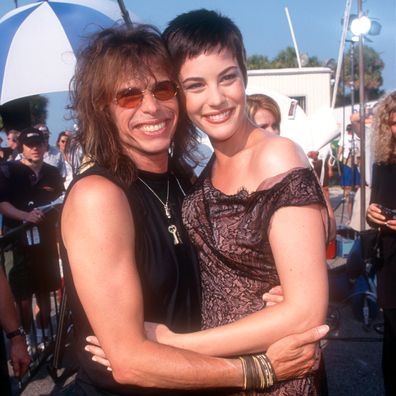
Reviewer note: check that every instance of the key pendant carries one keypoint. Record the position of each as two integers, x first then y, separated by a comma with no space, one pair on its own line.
176,237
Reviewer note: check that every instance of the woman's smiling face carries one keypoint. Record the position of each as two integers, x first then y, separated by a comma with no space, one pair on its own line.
214,93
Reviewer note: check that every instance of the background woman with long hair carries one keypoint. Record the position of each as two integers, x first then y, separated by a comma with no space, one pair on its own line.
380,214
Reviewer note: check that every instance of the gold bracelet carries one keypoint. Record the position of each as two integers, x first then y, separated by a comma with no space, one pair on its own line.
243,362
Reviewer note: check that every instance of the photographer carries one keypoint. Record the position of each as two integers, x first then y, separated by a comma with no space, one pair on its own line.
26,185
381,213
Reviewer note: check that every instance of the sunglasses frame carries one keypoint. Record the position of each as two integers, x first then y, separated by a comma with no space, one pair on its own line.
135,99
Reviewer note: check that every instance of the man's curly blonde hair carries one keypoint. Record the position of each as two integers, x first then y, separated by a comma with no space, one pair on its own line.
383,142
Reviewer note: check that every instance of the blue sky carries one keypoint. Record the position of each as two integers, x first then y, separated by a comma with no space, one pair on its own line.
317,25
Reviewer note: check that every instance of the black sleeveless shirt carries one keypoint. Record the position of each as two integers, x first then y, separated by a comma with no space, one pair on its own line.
169,276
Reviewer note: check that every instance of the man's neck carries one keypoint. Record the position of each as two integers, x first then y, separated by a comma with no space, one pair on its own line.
152,163
34,165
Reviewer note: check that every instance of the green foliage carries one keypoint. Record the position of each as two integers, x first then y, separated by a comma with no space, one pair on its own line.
373,67
285,59
256,62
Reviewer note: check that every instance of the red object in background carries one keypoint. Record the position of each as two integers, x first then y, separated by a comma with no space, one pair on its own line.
331,249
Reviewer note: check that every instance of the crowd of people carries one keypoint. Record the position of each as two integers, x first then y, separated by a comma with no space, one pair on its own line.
165,269
31,178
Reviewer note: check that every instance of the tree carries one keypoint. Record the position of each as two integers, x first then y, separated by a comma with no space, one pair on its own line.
256,62
373,66
287,58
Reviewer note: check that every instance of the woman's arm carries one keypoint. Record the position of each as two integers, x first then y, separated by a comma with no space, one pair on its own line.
297,239
98,232
299,253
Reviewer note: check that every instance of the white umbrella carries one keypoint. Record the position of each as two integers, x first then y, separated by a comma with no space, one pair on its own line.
39,42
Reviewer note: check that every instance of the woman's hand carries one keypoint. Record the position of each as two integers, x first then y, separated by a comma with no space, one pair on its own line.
375,215
274,296
95,349
154,331
159,333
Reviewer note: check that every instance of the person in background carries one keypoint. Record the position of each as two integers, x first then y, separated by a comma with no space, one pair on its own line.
12,141
124,242
348,155
323,161
382,213
265,112
9,321
4,152
63,143
53,156
26,185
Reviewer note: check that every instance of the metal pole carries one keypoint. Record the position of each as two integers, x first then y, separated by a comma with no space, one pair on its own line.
352,76
353,148
293,37
362,130
341,51
125,13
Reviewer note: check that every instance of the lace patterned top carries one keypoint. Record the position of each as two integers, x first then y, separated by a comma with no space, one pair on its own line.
230,235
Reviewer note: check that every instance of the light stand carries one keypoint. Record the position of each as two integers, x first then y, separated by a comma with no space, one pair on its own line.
361,26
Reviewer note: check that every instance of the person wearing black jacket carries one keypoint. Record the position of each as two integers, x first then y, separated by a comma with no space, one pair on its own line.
382,213
25,186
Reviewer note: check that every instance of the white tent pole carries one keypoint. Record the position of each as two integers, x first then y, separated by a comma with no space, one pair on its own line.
293,37
347,13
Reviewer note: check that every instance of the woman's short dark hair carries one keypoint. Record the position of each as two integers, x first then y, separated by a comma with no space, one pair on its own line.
199,31
113,56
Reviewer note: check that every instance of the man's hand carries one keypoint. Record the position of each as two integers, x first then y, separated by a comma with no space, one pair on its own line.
296,355
35,216
19,356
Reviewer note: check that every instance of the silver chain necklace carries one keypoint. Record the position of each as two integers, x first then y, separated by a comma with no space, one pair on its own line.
172,229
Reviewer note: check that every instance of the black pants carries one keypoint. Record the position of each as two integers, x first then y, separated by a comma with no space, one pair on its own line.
389,352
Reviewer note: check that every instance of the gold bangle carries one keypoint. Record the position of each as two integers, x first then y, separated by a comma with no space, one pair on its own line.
243,362
260,373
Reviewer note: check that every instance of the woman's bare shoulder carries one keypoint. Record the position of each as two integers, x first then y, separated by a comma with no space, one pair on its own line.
278,155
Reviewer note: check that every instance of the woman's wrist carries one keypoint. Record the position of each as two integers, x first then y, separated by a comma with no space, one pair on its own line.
258,373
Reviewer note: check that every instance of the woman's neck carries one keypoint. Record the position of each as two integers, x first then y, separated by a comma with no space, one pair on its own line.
237,145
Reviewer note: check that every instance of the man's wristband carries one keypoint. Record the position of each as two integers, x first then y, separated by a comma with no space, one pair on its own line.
18,332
